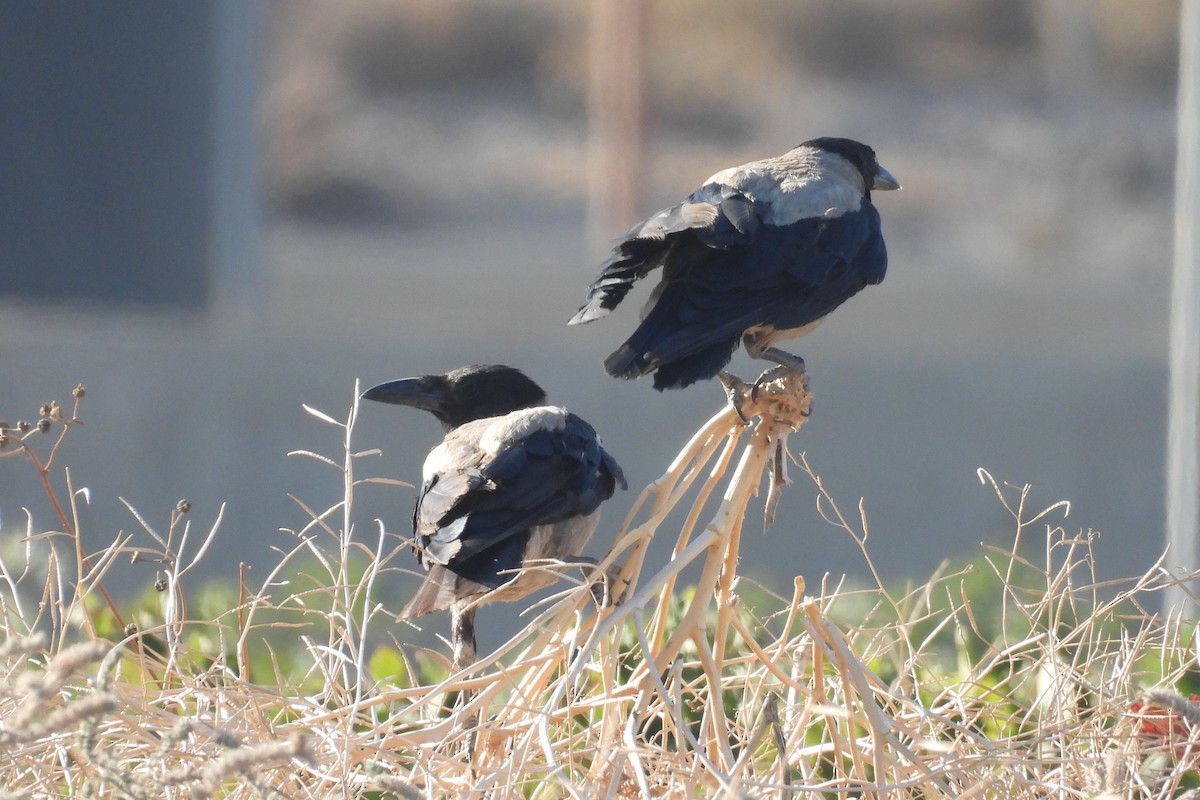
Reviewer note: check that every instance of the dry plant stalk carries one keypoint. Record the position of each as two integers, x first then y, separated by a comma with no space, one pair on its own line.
1055,686
572,667
711,702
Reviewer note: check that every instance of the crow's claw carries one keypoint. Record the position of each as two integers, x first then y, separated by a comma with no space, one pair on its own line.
735,391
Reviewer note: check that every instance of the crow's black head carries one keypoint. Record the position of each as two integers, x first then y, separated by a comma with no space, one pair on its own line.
863,159
463,394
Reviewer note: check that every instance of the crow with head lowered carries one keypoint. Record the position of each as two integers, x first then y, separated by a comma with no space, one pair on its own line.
759,253
514,484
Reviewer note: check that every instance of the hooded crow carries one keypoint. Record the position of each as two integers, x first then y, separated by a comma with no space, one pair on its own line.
513,482
760,253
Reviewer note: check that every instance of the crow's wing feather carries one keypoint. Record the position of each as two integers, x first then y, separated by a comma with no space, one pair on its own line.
716,216
477,497
783,276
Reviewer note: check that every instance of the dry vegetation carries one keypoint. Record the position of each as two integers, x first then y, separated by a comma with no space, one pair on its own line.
1017,676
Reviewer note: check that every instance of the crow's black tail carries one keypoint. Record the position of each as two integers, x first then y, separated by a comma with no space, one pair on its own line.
696,367
629,361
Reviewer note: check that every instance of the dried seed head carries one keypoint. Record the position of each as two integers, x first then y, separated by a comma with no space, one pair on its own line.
3,441
23,426
183,506
131,629
43,425
78,391
44,410
160,584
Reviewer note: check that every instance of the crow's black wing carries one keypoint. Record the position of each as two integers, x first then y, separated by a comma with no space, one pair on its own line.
715,216
785,277
493,479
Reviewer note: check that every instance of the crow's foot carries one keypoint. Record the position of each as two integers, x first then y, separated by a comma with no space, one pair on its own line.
775,374
737,392
780,394
601,582
610,588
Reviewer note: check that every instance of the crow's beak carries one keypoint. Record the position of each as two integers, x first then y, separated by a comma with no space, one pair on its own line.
884,181
415,392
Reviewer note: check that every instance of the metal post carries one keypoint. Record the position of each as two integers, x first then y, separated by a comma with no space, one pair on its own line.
236,249
1183,431
614,116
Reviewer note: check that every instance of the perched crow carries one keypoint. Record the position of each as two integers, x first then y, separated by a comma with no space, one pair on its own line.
514,481
760,253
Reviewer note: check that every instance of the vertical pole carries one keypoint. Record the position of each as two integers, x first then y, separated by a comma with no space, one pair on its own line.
615,116
236,249
1183,432
1069,52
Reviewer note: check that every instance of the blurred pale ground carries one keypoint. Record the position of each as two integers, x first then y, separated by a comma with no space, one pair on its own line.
424,174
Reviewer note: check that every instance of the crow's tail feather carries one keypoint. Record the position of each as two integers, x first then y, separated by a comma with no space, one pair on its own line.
696,367
630,362
677,352
626,362
441,589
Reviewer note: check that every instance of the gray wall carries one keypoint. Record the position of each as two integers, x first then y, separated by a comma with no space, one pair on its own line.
118,170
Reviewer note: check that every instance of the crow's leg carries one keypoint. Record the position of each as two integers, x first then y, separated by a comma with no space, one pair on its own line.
462,636
783,358
462,640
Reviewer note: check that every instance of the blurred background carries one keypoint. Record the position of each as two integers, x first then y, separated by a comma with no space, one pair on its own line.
211,213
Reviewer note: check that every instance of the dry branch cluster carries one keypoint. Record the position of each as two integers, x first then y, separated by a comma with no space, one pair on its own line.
1051,684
